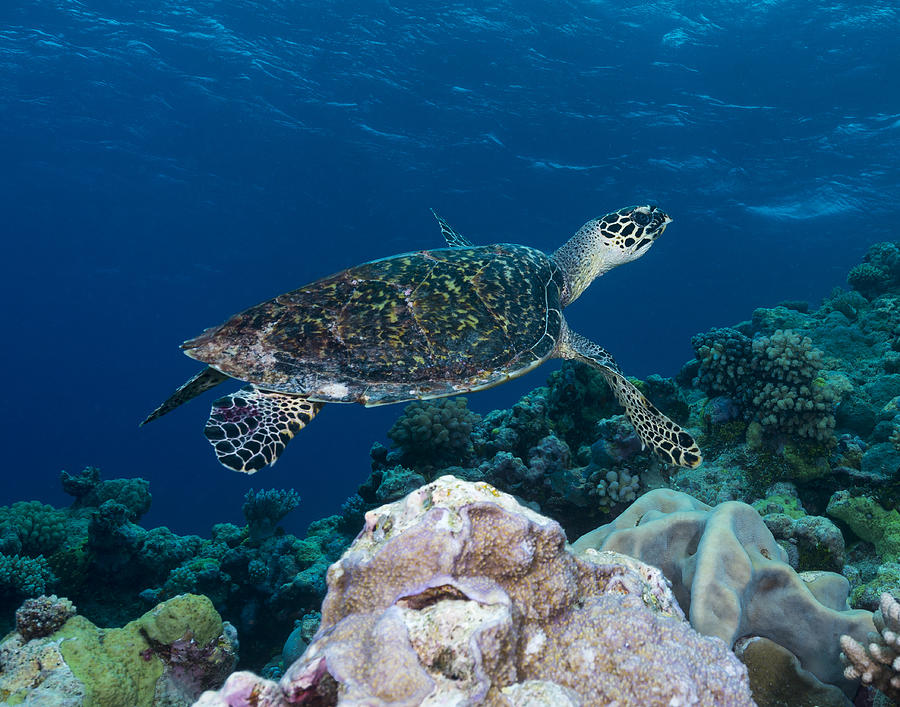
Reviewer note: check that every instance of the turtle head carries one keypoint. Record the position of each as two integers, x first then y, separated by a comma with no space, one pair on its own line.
628,233
604,243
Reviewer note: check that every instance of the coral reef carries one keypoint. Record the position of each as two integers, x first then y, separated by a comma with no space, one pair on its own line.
877,661
113,569
798,410
458,594
23,577
166,658
733,579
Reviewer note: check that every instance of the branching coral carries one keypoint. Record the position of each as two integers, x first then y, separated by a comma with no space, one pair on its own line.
24,576
264,510
89,490
877,663
879,271
39,528
435,432
868,279
775,380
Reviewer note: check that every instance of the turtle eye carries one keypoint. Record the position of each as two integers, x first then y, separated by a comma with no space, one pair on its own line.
642,218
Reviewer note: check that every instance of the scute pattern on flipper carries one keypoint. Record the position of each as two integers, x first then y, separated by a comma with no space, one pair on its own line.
670,442
250,428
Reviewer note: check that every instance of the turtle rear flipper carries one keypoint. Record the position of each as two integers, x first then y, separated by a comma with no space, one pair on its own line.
208,378
668,440
249,429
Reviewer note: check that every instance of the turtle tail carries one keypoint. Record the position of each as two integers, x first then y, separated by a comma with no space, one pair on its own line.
208,378
249,429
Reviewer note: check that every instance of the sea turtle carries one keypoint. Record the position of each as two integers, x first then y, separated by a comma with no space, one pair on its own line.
414,326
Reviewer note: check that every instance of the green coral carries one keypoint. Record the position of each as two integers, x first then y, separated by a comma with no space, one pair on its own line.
783,503
870,522
886,579
806,461
173,619
119,666
719,437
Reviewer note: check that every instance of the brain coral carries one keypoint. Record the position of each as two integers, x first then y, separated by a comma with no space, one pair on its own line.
459,595
774,379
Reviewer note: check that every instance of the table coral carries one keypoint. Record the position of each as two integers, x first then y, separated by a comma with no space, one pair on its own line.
459,595
732,577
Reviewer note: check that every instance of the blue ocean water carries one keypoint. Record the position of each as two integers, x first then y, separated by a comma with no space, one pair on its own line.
164,165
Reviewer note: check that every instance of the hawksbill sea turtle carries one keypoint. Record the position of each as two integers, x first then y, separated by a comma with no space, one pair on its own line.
416,326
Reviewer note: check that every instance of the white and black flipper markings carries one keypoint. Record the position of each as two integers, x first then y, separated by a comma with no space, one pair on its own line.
668,440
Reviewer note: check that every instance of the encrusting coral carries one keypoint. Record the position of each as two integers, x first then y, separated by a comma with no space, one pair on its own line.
41,616
459,595
876,661
166,658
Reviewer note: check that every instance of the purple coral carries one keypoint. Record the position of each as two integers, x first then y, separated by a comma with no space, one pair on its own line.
459,594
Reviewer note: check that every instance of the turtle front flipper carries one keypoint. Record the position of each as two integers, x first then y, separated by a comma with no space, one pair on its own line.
453,238
669,441
249,429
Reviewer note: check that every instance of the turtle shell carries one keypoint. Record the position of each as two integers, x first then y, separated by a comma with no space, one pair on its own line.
412,326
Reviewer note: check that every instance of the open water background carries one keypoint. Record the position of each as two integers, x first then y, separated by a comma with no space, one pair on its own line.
164,165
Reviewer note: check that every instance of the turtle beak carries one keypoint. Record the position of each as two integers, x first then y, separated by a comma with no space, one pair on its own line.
660,220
